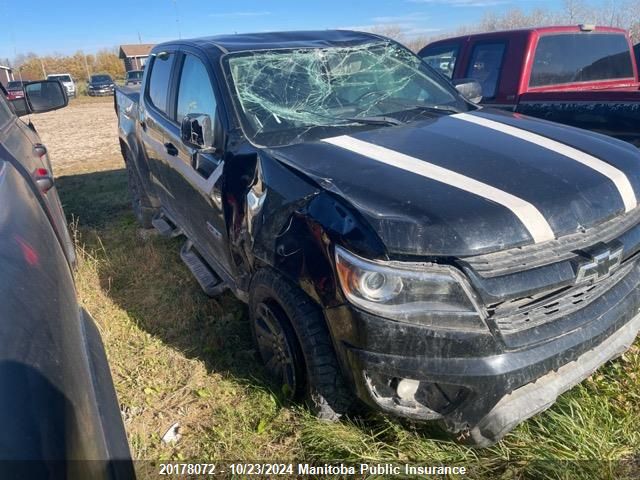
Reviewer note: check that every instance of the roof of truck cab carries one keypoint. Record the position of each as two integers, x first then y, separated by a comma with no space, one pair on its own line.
526,31
276,40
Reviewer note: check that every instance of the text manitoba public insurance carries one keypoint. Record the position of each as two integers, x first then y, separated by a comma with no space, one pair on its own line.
379,469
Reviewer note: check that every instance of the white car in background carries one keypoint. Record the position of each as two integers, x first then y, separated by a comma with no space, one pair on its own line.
66,80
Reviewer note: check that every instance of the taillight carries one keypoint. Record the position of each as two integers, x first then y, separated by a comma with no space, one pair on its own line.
43,179
39,150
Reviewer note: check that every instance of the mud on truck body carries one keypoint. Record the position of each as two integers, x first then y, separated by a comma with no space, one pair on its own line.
395,243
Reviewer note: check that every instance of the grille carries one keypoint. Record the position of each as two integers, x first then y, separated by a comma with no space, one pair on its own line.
528,312
531,256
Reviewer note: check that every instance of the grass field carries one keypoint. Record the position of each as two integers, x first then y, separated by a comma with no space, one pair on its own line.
179,356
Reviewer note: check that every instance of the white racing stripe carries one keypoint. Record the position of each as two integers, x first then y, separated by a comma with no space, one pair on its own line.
618,177
529,215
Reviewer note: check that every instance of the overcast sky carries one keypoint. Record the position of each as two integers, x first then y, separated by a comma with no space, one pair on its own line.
70,25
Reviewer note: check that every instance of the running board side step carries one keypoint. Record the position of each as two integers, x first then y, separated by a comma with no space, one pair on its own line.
209,281
165,227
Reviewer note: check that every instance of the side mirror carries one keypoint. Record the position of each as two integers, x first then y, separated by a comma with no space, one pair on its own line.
41,96
469,89
196,130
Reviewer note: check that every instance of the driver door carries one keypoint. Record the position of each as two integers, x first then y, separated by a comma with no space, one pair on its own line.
195,173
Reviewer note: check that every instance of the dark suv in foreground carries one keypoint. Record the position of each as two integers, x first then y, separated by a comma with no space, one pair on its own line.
438,260
58,408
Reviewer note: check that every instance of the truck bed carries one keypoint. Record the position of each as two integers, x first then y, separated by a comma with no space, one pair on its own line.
126,101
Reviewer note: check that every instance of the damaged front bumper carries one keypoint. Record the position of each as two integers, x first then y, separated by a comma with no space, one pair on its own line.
473,382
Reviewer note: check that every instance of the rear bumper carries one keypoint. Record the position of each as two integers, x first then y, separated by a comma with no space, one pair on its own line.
98,93
472,382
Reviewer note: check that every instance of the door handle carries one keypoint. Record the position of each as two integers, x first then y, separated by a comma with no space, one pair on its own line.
171,149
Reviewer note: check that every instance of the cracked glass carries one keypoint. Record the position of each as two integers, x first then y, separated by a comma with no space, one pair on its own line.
288,96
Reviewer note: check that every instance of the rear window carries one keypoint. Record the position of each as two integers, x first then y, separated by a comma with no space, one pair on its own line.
159,80
13,85
137,75
580,57
60,78
441,58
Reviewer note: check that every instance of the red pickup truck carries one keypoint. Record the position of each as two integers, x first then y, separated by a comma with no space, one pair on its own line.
583,76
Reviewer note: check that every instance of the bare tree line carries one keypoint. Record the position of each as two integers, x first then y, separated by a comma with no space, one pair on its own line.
80,65
615,13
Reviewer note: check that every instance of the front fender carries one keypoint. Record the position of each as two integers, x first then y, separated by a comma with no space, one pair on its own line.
293,225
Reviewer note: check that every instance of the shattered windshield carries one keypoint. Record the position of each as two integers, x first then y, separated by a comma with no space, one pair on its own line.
287,96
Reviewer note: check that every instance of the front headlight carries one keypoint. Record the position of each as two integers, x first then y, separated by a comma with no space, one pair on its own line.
428,294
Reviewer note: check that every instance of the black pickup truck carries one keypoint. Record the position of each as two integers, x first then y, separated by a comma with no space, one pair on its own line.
439,260
59,414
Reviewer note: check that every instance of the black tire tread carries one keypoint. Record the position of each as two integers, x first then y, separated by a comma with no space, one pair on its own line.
327,394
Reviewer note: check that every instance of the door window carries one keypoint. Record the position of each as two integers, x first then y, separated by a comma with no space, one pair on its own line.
159,80
195,92
442,58
486,65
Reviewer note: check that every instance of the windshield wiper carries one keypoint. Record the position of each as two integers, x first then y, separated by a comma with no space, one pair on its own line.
372,120
434,108
375,120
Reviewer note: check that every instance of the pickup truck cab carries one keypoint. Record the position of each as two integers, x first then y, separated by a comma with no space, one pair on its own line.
583,76
66,80
394,242
133,77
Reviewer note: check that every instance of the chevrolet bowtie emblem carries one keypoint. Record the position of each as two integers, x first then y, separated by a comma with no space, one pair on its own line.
600,264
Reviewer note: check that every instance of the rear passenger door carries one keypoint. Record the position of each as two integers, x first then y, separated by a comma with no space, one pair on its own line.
155,119
196,172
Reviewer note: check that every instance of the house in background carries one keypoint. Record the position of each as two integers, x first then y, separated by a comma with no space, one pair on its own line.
135,55
6,75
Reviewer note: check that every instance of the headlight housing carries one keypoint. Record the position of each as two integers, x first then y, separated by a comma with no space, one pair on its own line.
423,293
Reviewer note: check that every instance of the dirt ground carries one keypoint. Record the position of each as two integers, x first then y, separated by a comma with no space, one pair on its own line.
81,137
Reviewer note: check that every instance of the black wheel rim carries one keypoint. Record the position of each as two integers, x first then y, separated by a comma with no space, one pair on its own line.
275,349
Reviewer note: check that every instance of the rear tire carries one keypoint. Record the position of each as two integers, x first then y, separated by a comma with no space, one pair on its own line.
140,203
302,332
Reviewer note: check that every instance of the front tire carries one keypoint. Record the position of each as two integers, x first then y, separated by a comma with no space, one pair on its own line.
293,340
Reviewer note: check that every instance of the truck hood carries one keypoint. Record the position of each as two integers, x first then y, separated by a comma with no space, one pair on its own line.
474,183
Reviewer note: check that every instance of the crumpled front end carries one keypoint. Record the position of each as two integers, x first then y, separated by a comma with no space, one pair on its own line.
552,317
